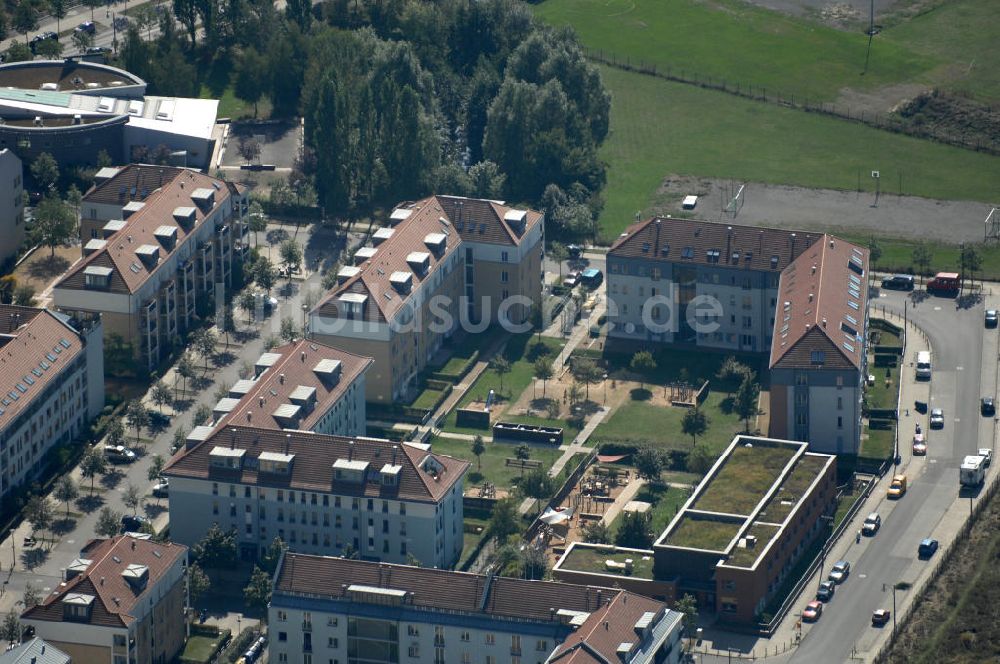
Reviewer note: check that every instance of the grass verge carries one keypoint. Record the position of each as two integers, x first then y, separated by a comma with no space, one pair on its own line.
494,468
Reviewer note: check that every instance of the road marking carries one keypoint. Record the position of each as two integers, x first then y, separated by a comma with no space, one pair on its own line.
862,576
932,461
959,368
937,308
957,419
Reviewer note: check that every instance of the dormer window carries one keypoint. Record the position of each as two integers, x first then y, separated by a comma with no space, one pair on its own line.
77,606
185,216
226,457
436,242
517,219
328,371
166,236
131,208
389,475
346,273
97,277
381,235
204,198
399,215
364,254
137,576
419,261
352,305
401,281
149,254
274,462
113,227
93,246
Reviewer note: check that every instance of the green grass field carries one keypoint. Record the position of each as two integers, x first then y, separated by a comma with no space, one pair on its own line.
737,41
494,467
660,128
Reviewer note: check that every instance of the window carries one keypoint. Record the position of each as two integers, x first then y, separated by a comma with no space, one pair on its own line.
542,645
504,277
283,636
412,630
414,651
466,658
504,256
840,422
215,488
465,636
490,639
515,644
439,656
729,585
840,403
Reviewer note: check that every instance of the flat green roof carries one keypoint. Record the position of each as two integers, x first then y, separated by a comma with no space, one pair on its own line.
744,478
593,559
792,489
47,97
743,556
703,533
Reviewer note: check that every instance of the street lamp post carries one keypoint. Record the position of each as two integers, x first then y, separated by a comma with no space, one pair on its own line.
305,330
605,389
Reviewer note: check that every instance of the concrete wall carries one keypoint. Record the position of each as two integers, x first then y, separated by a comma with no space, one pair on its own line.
11,206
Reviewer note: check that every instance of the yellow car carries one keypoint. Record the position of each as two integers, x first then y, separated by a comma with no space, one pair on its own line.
897,488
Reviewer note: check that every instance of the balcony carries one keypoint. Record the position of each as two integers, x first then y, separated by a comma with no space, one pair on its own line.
307,626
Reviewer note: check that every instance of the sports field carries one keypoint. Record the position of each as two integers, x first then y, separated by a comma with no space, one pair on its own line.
659,128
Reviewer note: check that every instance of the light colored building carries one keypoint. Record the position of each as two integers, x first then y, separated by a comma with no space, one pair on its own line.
428,272
159,247
303,385
35,651
11,206
52,387
736,539
818,359
319,494
355,612
123,601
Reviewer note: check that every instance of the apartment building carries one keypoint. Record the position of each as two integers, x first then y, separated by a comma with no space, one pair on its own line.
736,539
35,651
158,254
320,494
12,229
123,601
818,360
440,263
304,385
53,387
355,612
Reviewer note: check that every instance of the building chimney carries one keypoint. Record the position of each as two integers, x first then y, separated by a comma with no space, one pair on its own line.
288,442
824,322
281,378
350,451
302,356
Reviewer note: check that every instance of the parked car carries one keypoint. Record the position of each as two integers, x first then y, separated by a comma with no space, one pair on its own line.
937,418
86,26
826,590
987,407
591,277
897,488
133,523
841,570
987,455
118,454
898,282
992,318
37,39
919,444
98,50
927,548
162,488
812,611
574,250
880,617
871,525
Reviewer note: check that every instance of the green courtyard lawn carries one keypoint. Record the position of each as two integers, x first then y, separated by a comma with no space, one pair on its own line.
200,649
660,128
882,394
739,41
879,444
637,421
494,467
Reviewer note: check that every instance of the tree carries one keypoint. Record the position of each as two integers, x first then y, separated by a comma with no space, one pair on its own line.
66,491
688,607
247,302
731,371
160,394
155,467
25,19
649,463
971,262
198,582
54,223
478,448
58,11
558,253
249,147
24,295
92,465
45,171
132,497
12,627
534,563
543,371
217,549
206,343
289,330
500,366
180,438
522,452
486,179
93,4
745,402
504,520
694,424
32,596
257,593
184,369
202,414
587,372
264,274
597,532
922,258
634,532
538,485
18,52
258,220
38,512
699,460
291,255
49,49
82,40
249,84
874,251
109,522
575,393
642,363
137,417
269,561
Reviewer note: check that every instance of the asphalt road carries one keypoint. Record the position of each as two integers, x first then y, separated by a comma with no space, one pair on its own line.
956,337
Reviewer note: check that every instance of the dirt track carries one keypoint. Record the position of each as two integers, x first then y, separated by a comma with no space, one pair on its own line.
829,210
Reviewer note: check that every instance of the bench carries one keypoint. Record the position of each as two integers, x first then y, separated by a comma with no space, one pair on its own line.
522,463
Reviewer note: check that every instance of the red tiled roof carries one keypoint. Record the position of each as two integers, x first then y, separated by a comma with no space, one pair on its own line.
35,347
128,271
114,597
480,220
692,240
134,182
312,467
605,630
295,369
822,304
472,593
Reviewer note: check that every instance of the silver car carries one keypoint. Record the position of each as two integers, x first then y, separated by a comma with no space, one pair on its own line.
937,418
840,571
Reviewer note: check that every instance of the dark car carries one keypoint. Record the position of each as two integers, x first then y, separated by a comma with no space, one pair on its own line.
133,523
898,282
86,26
991,318
98,50
880,617
826,590
37,39
574,250
927,548
988,407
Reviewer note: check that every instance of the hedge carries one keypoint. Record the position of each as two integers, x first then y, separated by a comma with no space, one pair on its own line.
886,359
439,385
894,350
880,423
458,375
883,414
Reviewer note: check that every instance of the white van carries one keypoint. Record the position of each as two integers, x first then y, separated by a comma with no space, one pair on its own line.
924,365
